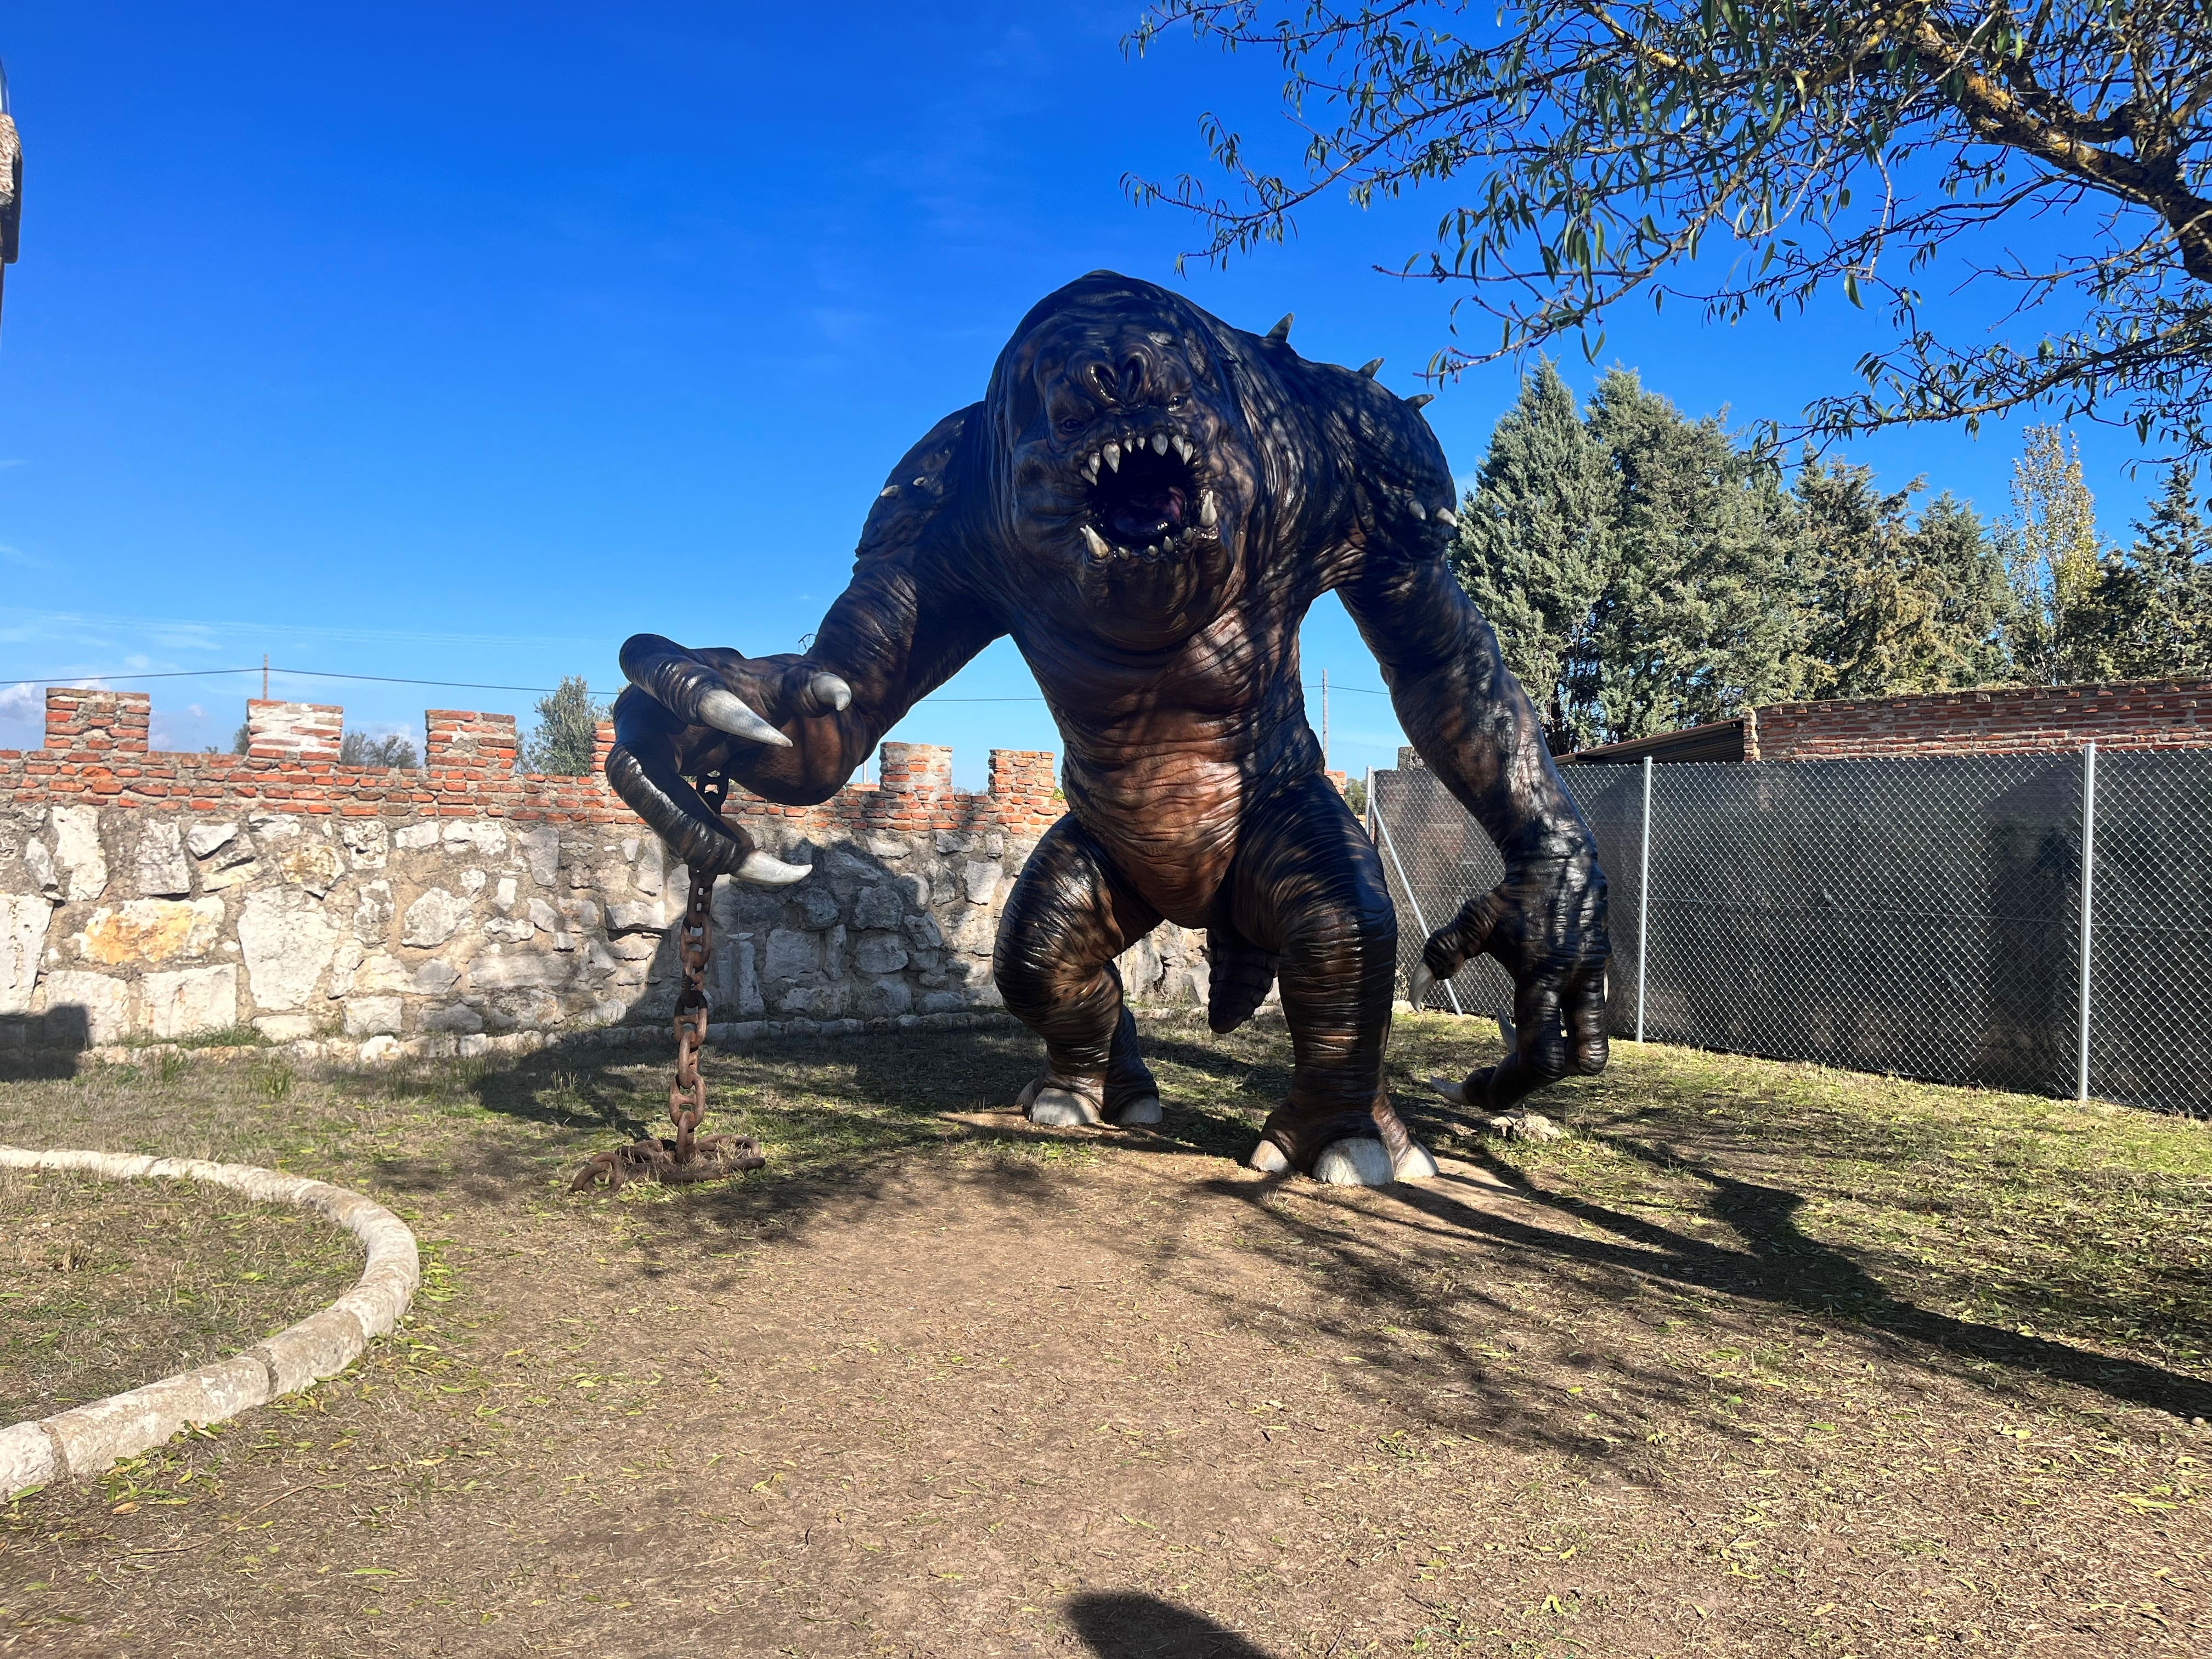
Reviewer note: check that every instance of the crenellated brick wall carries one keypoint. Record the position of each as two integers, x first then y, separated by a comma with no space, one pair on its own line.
97,749
2011,719
97,722
355,913
276,730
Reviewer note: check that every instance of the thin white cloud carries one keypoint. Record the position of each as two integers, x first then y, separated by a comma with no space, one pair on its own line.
19,623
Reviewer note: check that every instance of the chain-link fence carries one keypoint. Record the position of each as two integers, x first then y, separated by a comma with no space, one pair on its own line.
1922,916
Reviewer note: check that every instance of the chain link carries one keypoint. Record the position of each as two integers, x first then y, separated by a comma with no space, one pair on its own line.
1919,917
688,1157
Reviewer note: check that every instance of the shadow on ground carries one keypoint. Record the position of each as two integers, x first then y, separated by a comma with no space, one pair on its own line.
1131,1626
843,1119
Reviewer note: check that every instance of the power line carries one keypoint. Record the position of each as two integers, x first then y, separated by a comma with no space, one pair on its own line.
297,673
458,685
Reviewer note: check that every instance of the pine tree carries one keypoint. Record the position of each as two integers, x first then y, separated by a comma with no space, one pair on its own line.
1963,565
1532,549
1698,619
1894,609
2155,603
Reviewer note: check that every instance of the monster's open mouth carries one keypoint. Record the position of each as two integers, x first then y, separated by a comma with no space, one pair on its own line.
1146,498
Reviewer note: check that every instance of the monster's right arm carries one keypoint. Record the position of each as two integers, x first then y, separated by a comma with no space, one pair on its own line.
792,728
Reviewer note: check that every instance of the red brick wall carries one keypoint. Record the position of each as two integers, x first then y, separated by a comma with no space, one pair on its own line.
97,754
2138,714
98,722
289,731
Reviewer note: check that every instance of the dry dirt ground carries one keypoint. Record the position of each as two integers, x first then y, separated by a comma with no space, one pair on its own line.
1761,1359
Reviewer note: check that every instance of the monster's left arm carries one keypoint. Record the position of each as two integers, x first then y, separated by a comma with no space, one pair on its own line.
792,728
1474,726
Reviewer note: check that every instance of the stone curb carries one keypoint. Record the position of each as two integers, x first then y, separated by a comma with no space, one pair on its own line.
78,1443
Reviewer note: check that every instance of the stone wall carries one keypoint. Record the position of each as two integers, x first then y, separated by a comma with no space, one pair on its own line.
461,907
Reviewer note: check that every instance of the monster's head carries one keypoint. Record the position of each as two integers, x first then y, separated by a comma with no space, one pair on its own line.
1126,461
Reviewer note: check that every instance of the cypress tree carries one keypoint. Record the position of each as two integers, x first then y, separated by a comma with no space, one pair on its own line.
1532,545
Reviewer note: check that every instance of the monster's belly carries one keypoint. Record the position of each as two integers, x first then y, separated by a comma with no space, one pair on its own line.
1168,821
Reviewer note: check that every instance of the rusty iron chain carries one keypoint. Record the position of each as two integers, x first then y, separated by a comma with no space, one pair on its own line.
688,1157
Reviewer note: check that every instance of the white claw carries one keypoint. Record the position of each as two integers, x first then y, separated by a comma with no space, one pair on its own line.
1420,985
1449,1089
1113,454
1159,443
1447,517
1209,512
1267,1159
832,689
1367,369
772,871
1094,542
1417,510
724,712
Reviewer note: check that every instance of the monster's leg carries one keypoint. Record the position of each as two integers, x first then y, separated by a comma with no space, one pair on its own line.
1307,884
1070,915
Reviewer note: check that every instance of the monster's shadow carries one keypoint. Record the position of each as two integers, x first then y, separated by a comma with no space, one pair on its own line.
1127,1625
1781,1265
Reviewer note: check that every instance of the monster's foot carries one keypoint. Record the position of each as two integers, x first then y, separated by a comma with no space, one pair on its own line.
1061,1103
1355,1161
1139,1113
1076,1103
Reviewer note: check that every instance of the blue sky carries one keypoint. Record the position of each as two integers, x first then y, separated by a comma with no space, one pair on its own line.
458,342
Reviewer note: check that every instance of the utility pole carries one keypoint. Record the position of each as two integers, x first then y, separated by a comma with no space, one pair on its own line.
264,676
1324,719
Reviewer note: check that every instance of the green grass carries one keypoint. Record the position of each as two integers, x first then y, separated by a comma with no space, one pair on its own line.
107,1284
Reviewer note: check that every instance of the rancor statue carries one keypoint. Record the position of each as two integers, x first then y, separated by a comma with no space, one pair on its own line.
1148,499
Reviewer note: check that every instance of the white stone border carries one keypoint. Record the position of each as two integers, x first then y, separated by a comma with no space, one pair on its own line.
80,1443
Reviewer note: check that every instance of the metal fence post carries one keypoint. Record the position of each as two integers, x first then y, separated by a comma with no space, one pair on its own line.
2089,910
1412,898
1643,900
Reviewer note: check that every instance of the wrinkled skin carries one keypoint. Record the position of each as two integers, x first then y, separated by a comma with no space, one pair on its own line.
1158,603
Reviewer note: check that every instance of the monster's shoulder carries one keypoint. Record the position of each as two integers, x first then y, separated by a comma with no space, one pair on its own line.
1379,443
914,499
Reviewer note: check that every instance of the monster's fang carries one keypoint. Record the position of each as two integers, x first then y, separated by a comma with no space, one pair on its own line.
1146,500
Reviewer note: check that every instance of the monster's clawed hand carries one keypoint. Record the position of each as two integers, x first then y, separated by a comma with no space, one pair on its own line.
1546,925
690,713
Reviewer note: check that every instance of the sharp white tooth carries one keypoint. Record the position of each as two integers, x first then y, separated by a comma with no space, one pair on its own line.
1091,470
1094,542
1159,443
1113,453
1446,516
1208,514
1184,448
1151,550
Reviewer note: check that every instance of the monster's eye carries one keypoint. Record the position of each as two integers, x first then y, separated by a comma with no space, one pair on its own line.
1178,401
1073,424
